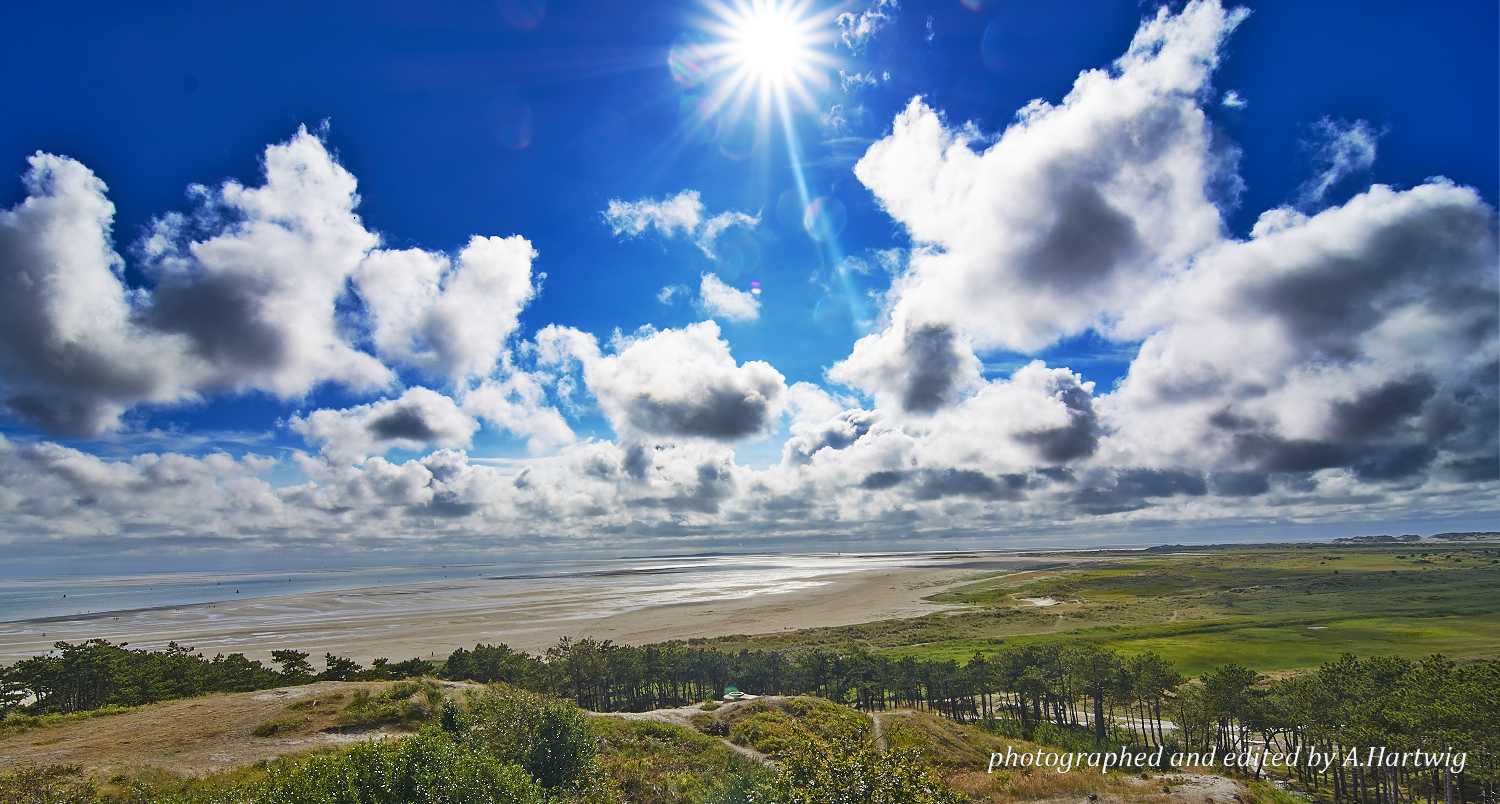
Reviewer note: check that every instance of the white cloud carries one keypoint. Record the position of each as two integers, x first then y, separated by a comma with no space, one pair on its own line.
249,306
1339,150
1361,339
257,296
246,295
857,30
854,82
681,215
449,320
420,417
722,301
518,404
1076,211
72,354
673,384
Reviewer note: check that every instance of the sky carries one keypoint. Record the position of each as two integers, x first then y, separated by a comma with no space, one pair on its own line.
313,284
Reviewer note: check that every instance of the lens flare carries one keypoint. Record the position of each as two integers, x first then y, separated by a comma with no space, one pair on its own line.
824,219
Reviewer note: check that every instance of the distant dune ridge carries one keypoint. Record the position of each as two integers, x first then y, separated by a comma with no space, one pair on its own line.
1488,536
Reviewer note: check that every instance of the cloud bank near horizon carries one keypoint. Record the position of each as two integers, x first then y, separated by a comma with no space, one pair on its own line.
1338,364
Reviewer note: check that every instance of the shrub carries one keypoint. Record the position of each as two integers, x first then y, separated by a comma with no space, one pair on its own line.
429,768
851,772
277,725
549,738
54,784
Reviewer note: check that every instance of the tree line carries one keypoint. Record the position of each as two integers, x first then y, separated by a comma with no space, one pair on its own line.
1074,694
1085,697
94,674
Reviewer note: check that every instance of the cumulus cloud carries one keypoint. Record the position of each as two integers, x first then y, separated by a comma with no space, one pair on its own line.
673,384
518,403
420,417
1348,351
257,296
722,301
1360,340
1076,211
246,296
448,319
73,353
682,215
251,306
915,369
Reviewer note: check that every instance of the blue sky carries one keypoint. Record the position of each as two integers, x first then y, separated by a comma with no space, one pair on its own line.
1172,210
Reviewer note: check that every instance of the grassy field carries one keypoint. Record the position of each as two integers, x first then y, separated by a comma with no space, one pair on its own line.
1266,607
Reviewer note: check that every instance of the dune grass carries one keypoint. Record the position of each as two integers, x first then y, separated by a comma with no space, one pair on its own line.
1268,608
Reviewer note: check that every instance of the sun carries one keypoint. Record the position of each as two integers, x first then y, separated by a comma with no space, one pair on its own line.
769,44
768,48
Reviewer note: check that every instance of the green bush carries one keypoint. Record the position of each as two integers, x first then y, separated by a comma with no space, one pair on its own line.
53,784
850,772
395,705
276,725
1002,727
549,738
429,768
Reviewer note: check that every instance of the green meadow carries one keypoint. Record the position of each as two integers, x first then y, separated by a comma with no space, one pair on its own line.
1269,608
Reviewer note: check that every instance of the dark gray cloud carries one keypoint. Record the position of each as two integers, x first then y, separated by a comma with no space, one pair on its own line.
1086,241
934,363
682,384
724,413
915,368
1437,257
1381,411
936,484
1077,439
220,315
402,423
879,481
1160,483
1239,484
840,432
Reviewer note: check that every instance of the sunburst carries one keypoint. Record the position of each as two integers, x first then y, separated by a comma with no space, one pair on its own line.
771,52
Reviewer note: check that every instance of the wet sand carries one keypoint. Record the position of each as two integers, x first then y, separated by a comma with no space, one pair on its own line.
430,620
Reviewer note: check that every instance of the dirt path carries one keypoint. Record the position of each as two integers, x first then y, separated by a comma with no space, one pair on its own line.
192,737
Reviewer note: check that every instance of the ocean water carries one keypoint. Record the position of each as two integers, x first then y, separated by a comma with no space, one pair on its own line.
663,579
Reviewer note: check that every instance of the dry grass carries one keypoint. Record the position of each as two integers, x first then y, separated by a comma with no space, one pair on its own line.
195,736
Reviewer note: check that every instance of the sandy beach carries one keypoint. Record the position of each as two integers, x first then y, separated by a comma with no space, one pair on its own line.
430,620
